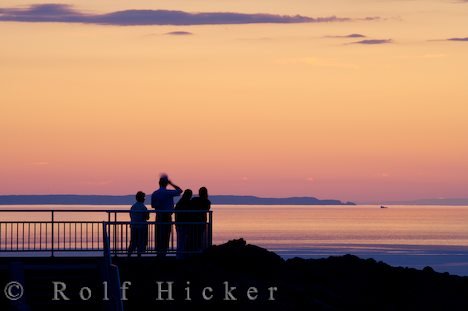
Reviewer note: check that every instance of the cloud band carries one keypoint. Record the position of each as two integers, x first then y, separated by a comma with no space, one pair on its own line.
67,14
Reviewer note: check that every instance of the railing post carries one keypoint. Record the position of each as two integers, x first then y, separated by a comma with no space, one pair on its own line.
106,246
210,228
115,234
172,224
52,248
112,275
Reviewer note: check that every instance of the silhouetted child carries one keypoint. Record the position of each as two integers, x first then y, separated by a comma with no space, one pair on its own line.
138,224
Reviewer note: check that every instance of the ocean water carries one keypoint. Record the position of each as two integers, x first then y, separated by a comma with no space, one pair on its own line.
410,236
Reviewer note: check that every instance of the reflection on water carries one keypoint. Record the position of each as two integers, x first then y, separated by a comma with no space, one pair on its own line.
299,226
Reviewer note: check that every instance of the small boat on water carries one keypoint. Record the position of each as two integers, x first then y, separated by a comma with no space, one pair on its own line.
381,206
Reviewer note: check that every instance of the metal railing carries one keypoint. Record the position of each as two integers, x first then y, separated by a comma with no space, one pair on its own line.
111,273
52,236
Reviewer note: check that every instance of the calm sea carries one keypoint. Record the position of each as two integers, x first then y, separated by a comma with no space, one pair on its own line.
412,236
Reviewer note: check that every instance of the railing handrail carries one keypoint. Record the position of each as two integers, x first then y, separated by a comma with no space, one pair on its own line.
59,210
120,222
49,222
101,211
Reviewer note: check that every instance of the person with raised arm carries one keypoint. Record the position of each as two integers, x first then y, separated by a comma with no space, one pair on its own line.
162,200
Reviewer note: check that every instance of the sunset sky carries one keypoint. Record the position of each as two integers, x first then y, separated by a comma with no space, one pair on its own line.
285,104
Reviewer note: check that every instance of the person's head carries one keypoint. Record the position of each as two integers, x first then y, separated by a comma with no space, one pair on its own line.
187,195
140,196
203,193
163,181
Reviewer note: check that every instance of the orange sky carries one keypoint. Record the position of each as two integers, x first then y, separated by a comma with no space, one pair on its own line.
263,109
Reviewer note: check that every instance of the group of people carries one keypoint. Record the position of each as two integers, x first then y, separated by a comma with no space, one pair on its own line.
190,219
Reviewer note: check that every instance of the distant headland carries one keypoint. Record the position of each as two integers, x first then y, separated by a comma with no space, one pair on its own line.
129,199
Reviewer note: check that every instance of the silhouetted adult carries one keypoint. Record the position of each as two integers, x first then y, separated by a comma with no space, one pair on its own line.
138,225
162,200
203,205
182,228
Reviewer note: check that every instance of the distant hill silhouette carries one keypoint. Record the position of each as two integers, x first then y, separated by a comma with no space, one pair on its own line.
129,199
239,200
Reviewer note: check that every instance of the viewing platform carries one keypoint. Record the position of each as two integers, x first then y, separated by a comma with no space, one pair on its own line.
81,248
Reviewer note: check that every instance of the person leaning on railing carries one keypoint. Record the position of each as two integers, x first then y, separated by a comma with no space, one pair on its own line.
138,225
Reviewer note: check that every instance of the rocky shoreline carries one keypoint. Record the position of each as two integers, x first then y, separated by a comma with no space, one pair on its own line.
232,276
334,283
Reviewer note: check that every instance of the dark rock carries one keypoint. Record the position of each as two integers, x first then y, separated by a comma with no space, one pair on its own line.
334,283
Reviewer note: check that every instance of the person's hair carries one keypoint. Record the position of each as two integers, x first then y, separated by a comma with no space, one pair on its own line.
140,196
163,181
203,192
187,195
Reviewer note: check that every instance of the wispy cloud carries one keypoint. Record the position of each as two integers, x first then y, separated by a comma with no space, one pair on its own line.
179,33
373,41
458,39
353,35
68,14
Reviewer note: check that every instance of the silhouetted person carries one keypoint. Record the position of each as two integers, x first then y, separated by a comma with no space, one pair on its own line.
162,201
138,226
182,228
203,205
